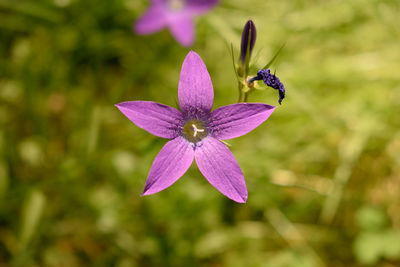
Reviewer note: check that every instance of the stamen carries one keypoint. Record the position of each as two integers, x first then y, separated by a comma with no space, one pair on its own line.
196,130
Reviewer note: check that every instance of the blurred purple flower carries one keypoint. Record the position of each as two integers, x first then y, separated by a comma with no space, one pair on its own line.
196,132
177,15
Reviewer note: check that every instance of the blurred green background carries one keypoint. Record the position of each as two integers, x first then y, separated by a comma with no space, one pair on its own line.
323,173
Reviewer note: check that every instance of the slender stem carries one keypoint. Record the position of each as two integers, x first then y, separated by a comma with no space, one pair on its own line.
241,93
246,95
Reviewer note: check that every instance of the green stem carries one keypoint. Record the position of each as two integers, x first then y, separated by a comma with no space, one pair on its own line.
241,93
245,97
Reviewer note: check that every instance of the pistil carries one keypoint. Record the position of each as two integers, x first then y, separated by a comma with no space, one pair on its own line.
194,130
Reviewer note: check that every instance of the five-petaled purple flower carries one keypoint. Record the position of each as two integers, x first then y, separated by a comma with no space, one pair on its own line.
177,15
196,132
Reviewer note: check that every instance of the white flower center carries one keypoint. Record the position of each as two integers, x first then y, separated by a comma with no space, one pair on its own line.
194,130
175,5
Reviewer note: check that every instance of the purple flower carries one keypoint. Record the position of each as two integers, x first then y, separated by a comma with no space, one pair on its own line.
177,15
196,132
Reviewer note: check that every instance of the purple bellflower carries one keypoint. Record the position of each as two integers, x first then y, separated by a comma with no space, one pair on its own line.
270,80
195,132
177,15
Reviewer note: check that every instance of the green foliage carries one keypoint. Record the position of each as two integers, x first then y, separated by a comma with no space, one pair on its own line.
371,218
31,213
376,241
322,173
369,247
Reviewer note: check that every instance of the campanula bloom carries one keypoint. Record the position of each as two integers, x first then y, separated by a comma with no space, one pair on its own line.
196,132
270,80
177,15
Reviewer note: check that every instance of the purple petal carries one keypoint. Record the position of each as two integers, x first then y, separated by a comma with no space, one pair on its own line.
158,119
153,20
182,28
238,119
221,169
169,165
200,6
195,90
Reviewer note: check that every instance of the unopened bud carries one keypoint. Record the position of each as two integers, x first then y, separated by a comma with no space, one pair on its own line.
248,41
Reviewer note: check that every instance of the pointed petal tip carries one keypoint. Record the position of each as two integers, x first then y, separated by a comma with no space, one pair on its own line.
121,105
192,54
269,110
146,193
241,200
241,197
270,106
148,190
238,197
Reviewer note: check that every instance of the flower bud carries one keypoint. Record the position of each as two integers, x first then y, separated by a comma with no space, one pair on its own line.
248,42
